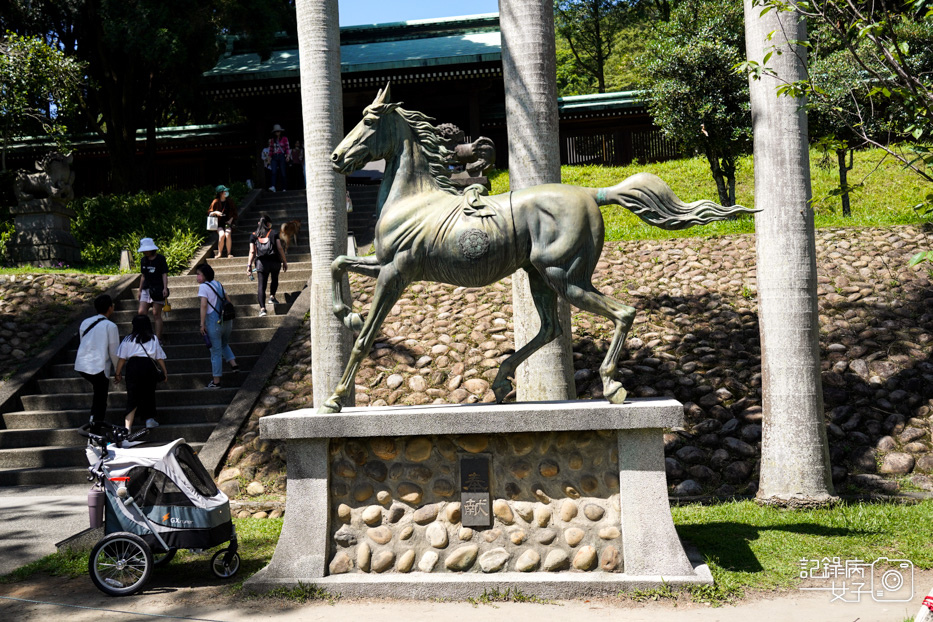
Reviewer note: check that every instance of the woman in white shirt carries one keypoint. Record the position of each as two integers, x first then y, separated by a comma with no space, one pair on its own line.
213,328
97,352
140,354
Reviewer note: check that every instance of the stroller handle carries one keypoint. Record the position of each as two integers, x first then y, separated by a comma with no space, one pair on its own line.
103,433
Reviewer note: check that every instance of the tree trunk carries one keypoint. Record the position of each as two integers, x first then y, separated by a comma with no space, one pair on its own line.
795,468
529,61
844,179
322,112
718,176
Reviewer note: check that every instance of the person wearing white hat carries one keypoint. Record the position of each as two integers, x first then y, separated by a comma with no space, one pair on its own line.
279,151
153,283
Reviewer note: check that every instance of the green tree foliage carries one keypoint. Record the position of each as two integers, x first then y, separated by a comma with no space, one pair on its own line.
694,94
590,27
144,59
844,113
891,44
38,84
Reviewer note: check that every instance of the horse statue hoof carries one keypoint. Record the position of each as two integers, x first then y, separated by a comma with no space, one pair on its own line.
353,321
330,407
615,393
501,390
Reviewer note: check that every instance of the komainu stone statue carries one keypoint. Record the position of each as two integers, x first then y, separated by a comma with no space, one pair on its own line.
474,158
53,180
42,218
427,231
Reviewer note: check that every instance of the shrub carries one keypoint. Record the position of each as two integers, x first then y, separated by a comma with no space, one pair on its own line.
106,224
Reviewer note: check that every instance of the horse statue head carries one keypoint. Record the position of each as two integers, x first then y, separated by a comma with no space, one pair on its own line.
388,130
374,138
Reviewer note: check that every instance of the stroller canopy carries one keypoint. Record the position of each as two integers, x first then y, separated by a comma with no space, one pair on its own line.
148,467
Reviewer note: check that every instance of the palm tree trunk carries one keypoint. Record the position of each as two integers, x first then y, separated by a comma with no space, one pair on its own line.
529,61
795,468
322,112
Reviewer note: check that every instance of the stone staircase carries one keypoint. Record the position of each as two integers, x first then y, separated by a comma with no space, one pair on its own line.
39,444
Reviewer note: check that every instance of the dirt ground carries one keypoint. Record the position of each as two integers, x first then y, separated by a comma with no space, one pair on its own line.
53,598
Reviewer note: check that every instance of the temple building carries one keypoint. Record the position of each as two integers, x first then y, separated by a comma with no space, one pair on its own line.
450,69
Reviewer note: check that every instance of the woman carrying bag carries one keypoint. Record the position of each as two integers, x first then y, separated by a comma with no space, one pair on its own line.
142,357
224,210
214,329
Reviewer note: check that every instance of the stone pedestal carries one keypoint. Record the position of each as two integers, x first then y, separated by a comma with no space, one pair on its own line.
577,497
43,233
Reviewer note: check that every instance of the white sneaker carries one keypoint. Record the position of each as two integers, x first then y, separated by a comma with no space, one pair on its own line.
152,423
262,313
273,301
271,188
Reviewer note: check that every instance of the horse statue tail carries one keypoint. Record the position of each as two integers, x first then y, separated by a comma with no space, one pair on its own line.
651,199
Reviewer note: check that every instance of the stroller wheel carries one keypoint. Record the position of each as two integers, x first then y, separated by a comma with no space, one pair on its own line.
222,570
120,564
162,559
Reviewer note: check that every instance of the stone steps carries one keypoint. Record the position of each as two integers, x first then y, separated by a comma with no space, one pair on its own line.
39,443
74,418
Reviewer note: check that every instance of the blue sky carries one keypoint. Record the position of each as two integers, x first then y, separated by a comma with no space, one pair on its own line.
357,12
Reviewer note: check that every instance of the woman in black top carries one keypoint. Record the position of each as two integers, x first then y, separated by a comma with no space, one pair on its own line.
265,249
140,356
153,283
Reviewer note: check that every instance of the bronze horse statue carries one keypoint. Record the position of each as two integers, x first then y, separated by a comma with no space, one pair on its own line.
427,231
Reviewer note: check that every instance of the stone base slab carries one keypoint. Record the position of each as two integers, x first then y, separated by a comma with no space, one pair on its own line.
476,419
423,586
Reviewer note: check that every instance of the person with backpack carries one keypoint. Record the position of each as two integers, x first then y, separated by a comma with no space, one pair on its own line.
268,255
97,352
214,328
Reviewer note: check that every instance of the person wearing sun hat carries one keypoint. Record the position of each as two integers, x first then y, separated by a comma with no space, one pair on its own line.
153,283
279,151
224,209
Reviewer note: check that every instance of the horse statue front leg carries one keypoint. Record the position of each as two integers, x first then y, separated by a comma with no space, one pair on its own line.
367,266
389,287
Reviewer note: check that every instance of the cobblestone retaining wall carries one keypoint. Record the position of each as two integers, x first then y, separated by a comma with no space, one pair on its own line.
555,504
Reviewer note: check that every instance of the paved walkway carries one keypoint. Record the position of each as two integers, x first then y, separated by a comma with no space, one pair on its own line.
32,520
79,601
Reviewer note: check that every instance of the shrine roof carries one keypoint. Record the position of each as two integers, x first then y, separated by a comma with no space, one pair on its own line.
378,47
601,101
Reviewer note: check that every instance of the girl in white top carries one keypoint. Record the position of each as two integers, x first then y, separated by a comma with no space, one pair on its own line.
139,354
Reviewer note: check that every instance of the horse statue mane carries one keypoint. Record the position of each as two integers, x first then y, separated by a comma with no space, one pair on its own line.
428,139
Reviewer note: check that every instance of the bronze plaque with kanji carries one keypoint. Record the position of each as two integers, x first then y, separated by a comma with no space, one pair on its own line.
475,501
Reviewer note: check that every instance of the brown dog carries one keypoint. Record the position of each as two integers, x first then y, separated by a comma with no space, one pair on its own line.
289,232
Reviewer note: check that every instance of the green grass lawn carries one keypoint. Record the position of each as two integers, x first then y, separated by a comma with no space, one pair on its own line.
746,546
752,547
886,195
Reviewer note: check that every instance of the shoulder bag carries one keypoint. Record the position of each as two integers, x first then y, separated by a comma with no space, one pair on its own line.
160,375
88,329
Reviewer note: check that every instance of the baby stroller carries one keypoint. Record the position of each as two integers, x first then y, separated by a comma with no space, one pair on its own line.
152,501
